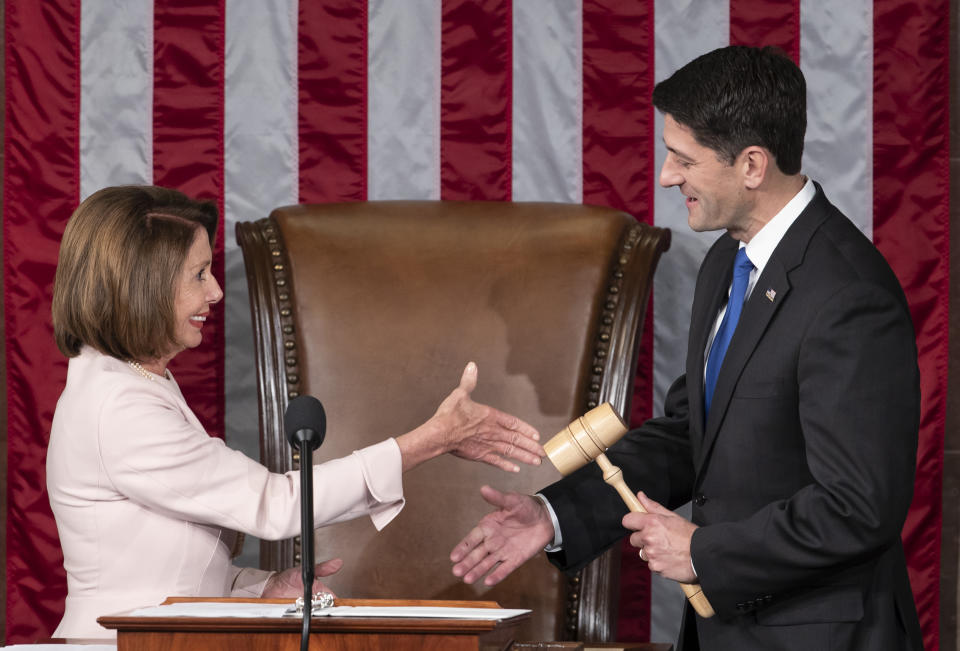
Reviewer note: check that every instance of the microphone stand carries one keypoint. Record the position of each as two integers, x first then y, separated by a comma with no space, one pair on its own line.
305,425
306,537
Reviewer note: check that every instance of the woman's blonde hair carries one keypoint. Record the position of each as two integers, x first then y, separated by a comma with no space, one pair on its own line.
120,259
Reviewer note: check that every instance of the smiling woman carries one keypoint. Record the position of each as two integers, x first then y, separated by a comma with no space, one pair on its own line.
120,283
196,292
146,502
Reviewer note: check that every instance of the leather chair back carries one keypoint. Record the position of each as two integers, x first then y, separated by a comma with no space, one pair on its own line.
375,308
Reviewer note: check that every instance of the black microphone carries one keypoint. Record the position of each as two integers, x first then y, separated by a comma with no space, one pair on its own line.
305,424
305,421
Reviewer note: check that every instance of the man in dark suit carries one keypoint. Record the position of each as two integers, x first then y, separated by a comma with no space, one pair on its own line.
793,430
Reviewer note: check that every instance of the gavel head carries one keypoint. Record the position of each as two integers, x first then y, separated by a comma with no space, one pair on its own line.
585,439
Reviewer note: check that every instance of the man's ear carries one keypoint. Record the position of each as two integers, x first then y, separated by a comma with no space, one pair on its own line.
753,162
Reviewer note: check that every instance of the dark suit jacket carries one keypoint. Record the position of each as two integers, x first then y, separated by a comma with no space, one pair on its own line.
802,476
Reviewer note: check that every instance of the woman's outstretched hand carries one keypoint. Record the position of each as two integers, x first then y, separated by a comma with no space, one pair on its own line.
473,431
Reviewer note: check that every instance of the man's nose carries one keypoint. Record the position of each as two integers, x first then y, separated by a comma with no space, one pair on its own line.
669,176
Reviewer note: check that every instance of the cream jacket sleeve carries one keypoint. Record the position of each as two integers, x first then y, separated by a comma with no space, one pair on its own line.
159,456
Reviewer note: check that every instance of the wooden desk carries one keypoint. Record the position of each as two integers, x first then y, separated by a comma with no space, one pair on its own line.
326,633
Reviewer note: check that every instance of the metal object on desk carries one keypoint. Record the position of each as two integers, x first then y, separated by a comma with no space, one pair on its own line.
319,601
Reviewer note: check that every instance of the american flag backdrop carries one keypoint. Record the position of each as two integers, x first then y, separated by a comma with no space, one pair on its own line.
261,103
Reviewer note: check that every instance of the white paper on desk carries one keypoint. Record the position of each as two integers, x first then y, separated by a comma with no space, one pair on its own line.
212,609
426,612
245,609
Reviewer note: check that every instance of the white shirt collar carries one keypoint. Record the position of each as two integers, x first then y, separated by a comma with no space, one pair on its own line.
761,246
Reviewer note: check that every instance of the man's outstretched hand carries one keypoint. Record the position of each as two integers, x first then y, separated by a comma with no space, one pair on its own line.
503,540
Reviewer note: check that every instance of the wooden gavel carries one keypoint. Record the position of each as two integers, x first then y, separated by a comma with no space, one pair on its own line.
585,440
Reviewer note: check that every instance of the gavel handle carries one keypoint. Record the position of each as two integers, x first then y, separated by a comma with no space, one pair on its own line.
614,477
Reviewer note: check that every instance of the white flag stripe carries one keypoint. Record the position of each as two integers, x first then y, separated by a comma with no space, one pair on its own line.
116,94
261,162
684,29
836,55
403,90
261,172
705,27
548,100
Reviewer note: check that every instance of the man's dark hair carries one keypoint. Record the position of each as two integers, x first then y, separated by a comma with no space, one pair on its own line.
738,96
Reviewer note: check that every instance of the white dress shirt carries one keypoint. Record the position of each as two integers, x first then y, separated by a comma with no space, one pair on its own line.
762,245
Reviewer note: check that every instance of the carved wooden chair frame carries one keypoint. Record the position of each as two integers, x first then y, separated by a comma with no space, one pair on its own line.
593,593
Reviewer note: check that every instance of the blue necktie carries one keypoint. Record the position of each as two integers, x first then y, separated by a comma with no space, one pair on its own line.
741,276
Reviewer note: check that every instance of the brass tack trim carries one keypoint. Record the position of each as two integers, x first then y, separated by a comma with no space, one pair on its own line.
606,320
573,605
288,383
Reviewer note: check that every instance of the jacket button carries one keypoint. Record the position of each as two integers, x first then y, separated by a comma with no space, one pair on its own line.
700,499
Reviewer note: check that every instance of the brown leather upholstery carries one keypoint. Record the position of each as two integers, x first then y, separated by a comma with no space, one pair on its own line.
376,307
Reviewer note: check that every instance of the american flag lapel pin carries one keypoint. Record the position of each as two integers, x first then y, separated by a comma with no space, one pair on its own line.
771,294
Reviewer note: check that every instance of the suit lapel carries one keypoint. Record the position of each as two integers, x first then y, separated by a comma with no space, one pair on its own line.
770,292
709,297
756,315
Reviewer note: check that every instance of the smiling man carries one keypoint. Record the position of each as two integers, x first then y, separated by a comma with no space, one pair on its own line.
794,428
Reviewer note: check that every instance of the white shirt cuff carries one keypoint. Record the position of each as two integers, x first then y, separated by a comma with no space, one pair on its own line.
249,582
557,543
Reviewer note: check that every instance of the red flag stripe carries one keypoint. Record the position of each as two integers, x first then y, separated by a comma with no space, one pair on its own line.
188,156
41,186
911,228
618,73
618,164
475,100
332,69
766,22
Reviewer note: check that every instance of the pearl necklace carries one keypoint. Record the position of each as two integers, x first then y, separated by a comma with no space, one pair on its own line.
138,367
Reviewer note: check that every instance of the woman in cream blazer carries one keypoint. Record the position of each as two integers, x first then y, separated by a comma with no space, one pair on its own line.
146,502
